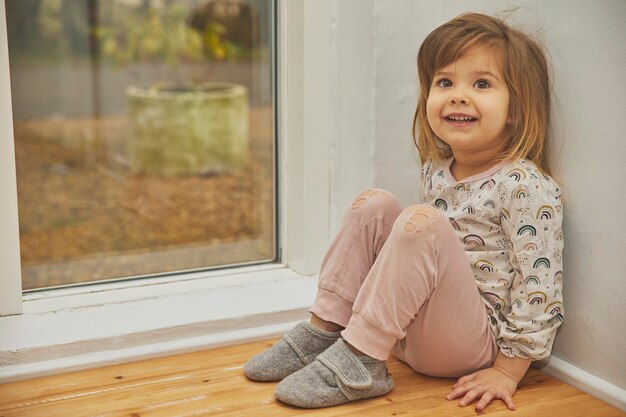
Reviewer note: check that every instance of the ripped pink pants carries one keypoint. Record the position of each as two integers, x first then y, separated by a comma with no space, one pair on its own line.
400,283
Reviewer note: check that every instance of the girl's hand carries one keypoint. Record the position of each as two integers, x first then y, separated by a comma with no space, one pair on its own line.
489,383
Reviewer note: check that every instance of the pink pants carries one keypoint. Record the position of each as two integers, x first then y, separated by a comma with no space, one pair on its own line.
399,281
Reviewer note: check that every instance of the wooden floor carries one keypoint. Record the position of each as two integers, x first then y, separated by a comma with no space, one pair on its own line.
212,383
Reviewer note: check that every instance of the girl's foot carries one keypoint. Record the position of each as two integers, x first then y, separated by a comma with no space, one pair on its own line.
337,376
298,347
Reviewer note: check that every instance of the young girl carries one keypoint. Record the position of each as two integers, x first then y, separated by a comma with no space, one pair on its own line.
468,284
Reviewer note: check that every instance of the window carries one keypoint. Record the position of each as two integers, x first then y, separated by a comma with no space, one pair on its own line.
144,136
61,329
304,194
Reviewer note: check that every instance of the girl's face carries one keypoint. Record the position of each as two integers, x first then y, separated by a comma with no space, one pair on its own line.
468,105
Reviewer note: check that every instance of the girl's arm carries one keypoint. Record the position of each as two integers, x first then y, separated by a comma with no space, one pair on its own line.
532,223
515,368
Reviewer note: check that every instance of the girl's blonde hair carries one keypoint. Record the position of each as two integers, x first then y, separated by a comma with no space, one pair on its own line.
525,70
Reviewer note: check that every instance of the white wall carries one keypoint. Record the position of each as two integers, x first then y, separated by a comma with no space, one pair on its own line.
351,110
373,91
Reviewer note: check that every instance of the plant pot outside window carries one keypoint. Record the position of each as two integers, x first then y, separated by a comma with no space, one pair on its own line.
178,130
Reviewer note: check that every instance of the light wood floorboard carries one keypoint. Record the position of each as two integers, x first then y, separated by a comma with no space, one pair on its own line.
212,383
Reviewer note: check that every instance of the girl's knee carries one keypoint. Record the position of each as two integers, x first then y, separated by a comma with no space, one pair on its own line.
377,199
372,194
418,217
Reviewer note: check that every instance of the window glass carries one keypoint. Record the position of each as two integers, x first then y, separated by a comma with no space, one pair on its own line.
144,136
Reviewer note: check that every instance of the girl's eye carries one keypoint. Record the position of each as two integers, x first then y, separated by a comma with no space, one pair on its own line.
482,84
444,82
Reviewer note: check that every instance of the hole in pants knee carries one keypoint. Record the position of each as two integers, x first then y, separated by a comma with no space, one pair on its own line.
359,202
363,197
418,221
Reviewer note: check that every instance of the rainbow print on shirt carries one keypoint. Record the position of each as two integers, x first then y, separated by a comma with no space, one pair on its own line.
554,308
494,300
521,191
488,185
484,265
531,279
537,297
473,241
527,230
545,213
441,204
517,174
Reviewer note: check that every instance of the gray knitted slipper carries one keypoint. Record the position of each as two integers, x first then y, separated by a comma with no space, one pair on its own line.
337,376
298,347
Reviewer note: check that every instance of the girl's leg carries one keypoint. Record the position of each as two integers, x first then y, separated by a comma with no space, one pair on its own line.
365,227
420,299
420,282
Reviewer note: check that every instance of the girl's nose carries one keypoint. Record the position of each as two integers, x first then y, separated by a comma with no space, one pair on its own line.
458,97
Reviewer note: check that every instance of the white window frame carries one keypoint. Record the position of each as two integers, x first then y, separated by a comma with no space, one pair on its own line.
10,272
58,330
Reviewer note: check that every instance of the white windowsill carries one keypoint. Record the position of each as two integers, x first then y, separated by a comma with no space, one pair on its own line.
81,328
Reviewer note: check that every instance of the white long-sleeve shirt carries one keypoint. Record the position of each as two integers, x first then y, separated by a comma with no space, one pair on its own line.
509,220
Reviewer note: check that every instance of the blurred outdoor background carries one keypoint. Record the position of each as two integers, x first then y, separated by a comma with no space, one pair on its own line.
102,193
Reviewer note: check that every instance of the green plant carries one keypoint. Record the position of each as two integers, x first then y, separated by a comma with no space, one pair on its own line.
163,35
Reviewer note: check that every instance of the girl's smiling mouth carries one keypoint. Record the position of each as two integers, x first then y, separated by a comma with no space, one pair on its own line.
460,119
